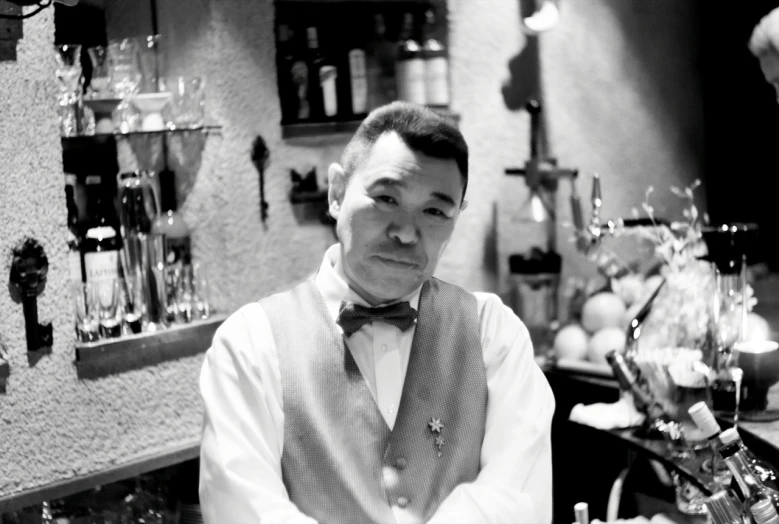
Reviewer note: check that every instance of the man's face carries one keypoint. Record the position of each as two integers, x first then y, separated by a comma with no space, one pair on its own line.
395,216
769,64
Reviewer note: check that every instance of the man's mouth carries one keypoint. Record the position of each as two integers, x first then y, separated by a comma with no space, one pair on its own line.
398,262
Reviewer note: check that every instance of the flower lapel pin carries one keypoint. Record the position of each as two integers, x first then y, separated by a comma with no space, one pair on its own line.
437,427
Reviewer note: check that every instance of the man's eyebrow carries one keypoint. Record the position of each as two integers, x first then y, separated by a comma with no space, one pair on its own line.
386,181
446,198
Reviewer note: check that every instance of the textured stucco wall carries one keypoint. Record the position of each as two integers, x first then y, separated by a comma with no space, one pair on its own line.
609,110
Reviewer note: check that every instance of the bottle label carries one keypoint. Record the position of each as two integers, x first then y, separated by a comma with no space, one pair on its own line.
437,81
411,81
359,82
327,77
102,266
299,73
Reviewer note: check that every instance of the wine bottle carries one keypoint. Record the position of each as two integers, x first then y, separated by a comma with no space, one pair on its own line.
285,59
410,67
358,81
75,258
322,93
101,248
380,65
436,64
101,243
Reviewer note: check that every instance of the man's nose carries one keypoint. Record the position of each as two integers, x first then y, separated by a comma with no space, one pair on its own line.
404,229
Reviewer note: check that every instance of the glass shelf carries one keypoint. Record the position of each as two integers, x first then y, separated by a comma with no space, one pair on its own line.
106,357
209,129
308,130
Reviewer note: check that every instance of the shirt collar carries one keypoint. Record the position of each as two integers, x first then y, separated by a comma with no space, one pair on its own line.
332,285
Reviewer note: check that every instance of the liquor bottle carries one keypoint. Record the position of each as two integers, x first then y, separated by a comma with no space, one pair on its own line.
322,75
301,78
410,67
751,490
380,65
762,469
436,64
764,513
101,248
75,259
285,59
358,81
704,419
723,510
657,420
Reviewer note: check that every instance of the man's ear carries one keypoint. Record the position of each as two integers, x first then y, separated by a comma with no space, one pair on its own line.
336,179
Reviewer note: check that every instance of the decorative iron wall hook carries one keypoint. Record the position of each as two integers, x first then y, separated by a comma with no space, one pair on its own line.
27,280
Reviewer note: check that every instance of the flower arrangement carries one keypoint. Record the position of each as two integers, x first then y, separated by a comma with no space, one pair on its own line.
680,314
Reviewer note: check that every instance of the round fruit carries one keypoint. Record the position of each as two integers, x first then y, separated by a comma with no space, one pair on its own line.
601,311
757,328
605,340
630,289
571,342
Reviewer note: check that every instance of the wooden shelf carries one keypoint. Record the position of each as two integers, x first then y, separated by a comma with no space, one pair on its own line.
107,357
133,468
336,130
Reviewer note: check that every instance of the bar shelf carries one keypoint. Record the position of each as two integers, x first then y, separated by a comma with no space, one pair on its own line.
309,130
107,357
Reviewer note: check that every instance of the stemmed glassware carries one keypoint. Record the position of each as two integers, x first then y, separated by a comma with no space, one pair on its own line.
728,247
73,118
126,77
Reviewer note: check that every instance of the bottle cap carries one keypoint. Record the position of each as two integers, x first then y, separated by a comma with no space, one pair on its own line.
70,179
704,419
729,435
764,512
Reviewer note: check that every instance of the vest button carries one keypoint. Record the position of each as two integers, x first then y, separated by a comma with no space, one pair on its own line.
402,502
400,463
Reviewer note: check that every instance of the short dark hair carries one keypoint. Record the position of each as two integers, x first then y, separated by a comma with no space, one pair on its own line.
422,130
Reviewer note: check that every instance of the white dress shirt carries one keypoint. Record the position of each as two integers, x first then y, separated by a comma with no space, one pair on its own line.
243,431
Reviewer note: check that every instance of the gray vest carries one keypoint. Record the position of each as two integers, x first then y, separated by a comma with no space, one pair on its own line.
341,463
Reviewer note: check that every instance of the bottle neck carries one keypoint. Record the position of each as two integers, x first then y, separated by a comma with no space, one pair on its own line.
742,473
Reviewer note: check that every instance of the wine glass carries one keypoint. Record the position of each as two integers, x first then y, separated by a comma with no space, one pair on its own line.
100,83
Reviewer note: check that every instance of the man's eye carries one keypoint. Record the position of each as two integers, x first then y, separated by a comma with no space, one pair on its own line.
436,212
386,199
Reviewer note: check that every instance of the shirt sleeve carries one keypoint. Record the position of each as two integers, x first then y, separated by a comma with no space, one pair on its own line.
515,481
240,454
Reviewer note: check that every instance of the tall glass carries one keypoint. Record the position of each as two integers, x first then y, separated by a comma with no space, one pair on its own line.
150,59
86,309
729,246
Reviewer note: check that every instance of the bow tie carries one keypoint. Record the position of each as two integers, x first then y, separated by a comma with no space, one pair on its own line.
352,317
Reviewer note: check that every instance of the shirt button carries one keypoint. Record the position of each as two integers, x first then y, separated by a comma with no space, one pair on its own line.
384,348
402,502
400,463
391,408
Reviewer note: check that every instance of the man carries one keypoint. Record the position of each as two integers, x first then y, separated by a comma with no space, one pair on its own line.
764,44
431,411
